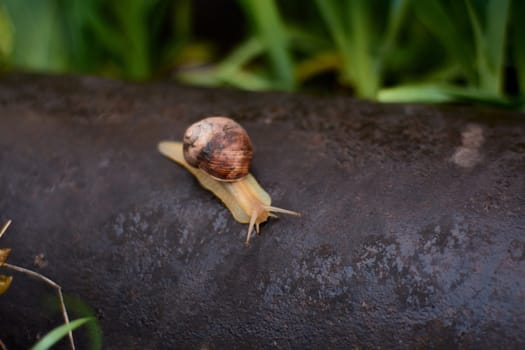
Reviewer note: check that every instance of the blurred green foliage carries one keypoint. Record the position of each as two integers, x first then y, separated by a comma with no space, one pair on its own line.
387,50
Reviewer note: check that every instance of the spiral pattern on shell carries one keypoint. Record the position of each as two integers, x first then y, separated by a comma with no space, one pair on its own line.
220,147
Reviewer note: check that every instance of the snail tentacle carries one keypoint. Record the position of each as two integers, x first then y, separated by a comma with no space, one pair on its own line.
250,227
280,210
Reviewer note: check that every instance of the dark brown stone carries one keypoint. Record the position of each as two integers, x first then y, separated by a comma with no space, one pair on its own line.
412,234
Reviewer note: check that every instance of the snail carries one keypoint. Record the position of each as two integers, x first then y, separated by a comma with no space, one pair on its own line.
218,152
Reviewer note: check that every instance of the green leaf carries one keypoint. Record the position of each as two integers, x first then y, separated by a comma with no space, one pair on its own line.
58,333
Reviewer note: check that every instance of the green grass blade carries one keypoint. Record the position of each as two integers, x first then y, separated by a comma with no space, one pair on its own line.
316,64
490,44
6,35
498,18
365,61
352,26
200,77
230,70
106,35
271,32
442,93
415,93
243,54
80,19
306,42
518,42
92,329
331,14
133,21
482,65
438,21
250,81
396,16
58,333
182,20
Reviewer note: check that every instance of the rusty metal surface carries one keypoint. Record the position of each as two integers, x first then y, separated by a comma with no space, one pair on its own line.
412,234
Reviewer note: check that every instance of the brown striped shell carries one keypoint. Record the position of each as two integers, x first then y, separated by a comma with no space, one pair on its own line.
220,147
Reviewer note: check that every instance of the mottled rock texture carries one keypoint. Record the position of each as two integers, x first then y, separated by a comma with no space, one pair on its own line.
412,234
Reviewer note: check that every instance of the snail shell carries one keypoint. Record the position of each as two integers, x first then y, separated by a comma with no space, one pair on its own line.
218,152
220,147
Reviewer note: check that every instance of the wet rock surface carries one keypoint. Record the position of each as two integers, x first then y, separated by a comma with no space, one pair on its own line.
412,234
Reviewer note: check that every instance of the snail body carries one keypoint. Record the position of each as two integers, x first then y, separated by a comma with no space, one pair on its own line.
218,152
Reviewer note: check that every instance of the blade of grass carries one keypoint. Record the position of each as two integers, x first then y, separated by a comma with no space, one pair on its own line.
205,77
181,32
366,63
440,93
306,42
331,14
518,43
396,16
6,35
230,70
414,93
498,18
243,54
250,81
490,44
436,18
83,310
74,14
270,30
58,333
182,19
483,69
133,21
316,64
351,26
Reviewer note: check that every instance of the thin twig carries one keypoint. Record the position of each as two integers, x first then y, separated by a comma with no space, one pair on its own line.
4,228
52,284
